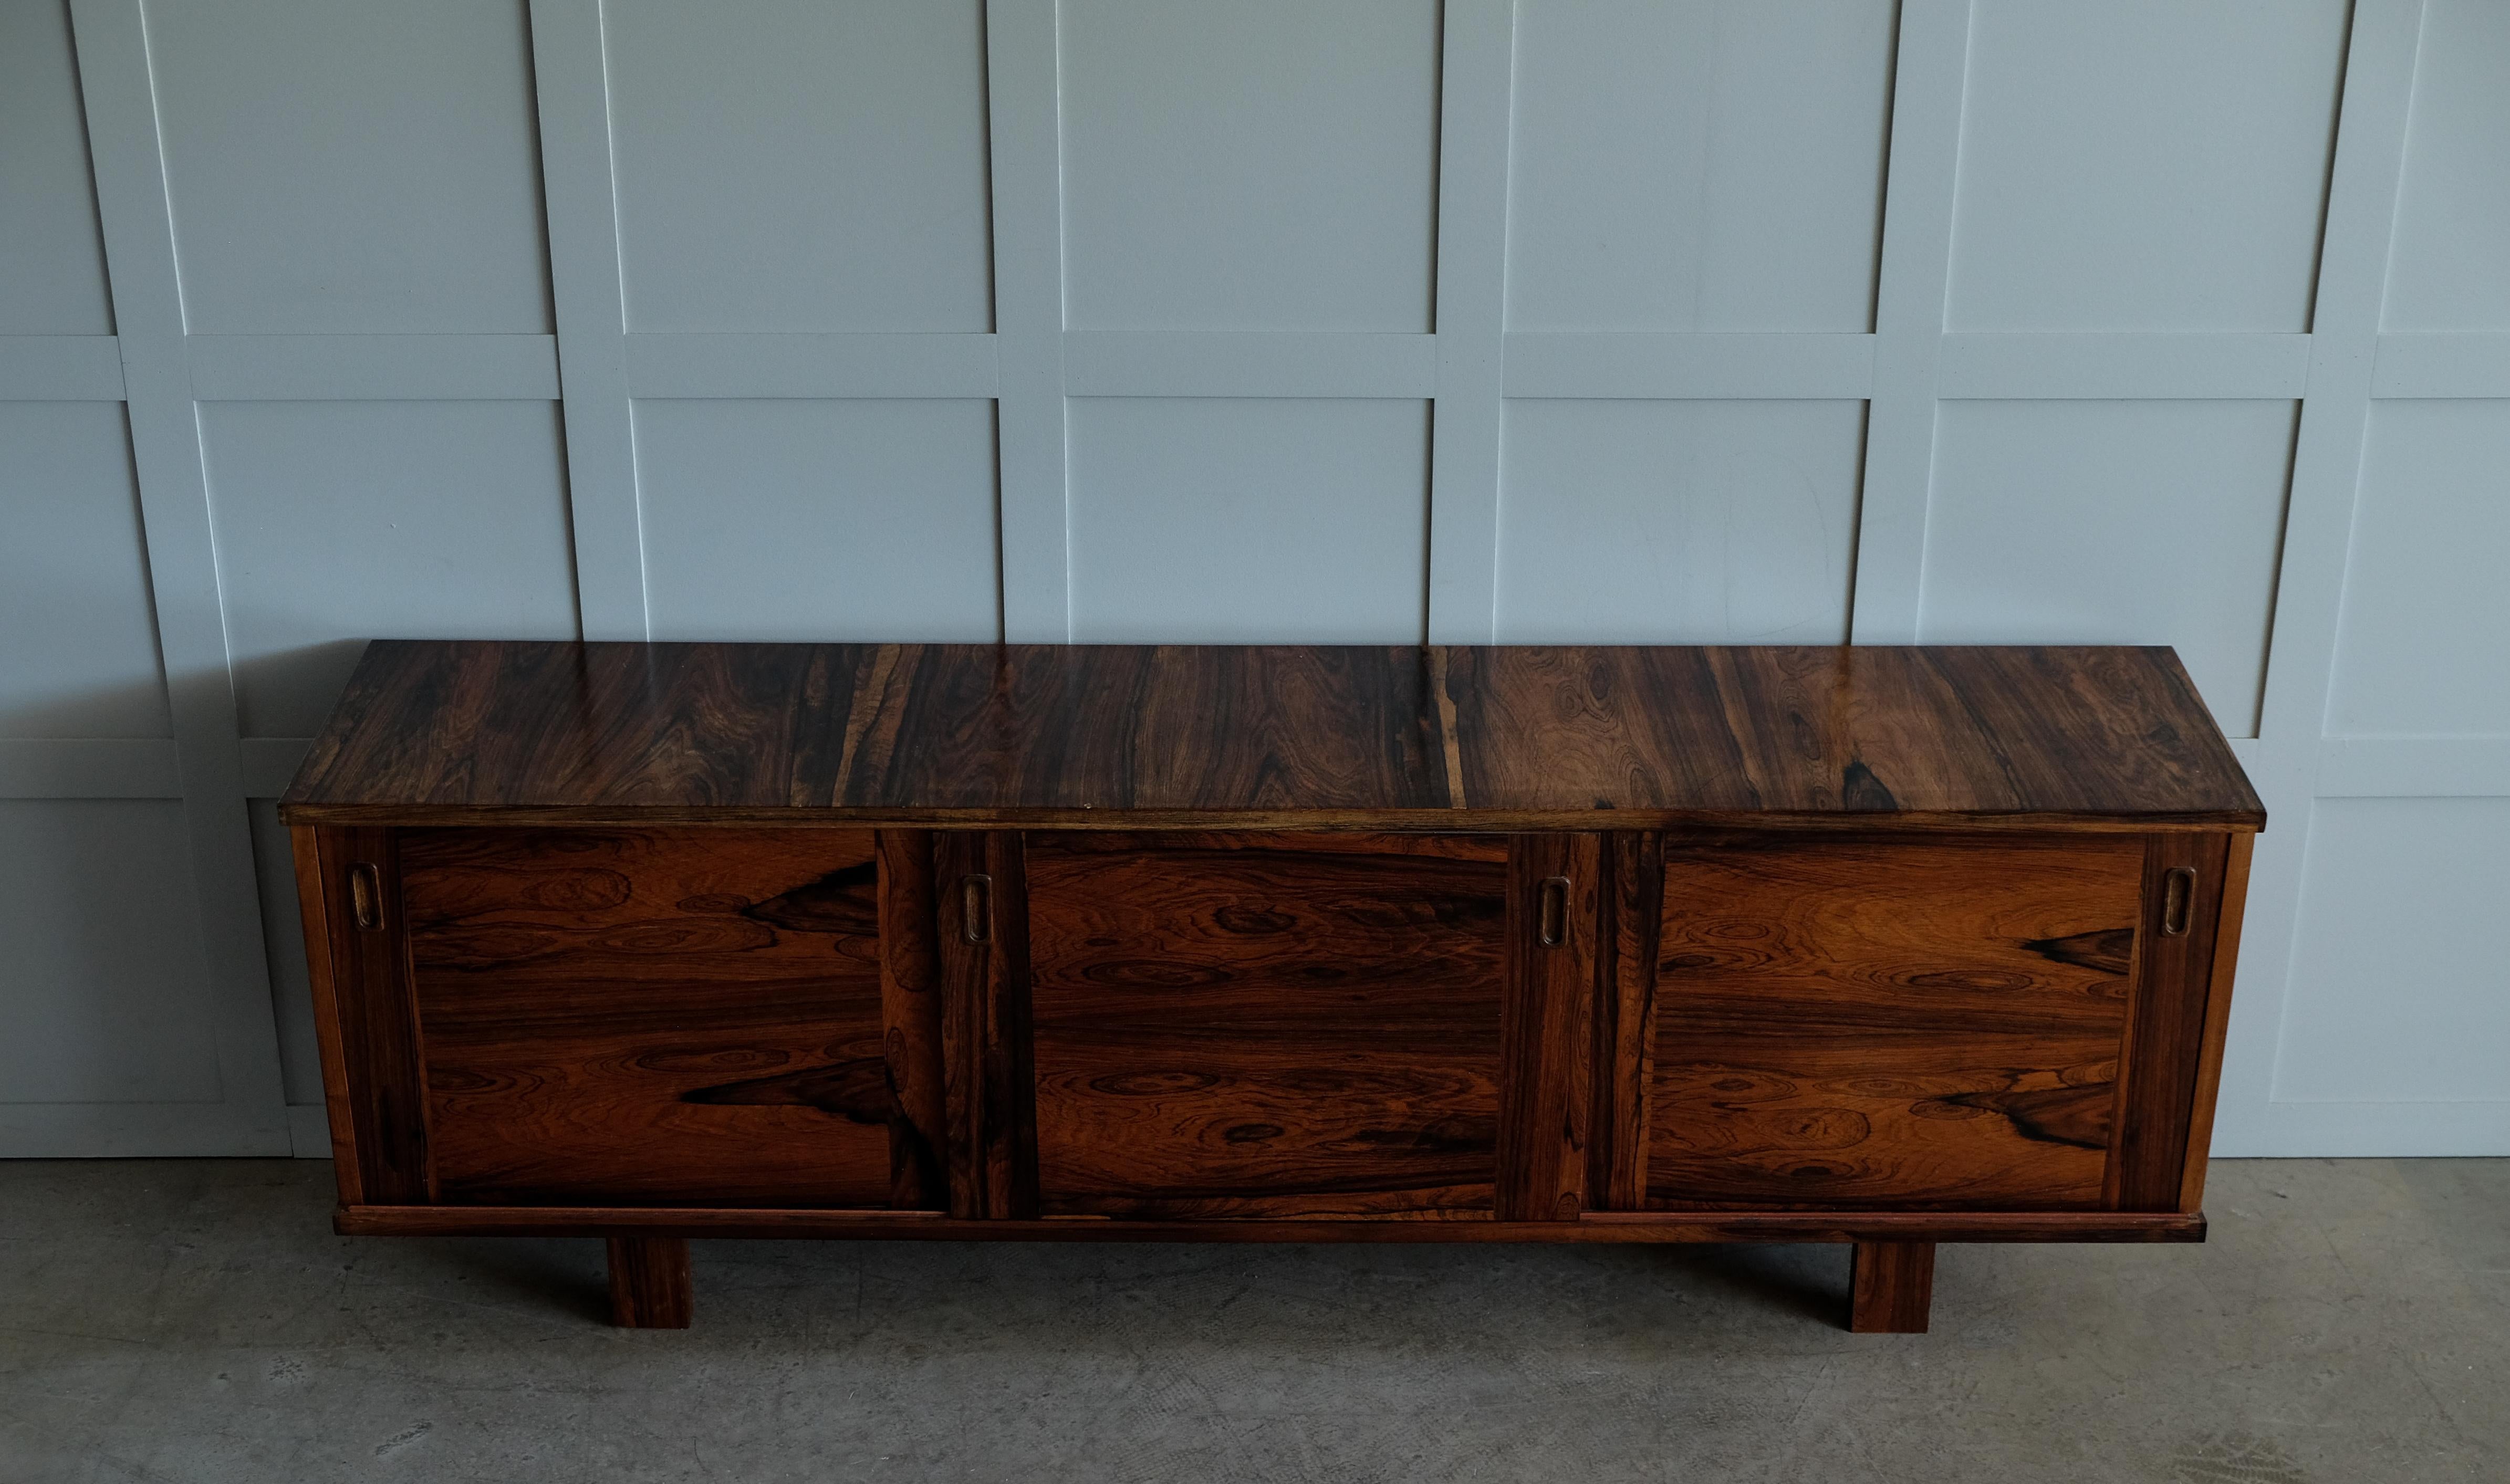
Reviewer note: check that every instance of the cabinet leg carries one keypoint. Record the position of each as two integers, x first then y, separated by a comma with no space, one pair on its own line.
649,1282
1893,1285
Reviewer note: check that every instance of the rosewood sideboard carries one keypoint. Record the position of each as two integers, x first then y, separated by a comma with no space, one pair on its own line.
1882,946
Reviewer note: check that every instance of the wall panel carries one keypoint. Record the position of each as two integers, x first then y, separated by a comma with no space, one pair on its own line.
816,520
82,659
785,166
1249,167
2145,165
54,255
2454,199
2410,1010
98,989
1678,522
2115,523
352,168
338,522
1214,521
2425,643
291,985
1708,165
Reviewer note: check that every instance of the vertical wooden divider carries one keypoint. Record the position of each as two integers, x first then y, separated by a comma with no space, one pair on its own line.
1556,889
990,1097
366,1015
910,1014
2165,1033
2217,1021
1624,1020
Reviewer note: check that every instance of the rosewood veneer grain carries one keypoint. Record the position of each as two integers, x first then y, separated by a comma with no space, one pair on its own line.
1877,946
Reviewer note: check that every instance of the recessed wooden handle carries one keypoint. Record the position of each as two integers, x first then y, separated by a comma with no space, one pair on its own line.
977,908
1551,918
2178,889
366,898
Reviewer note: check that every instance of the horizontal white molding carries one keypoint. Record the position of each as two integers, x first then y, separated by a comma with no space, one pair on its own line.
1248,364
60,368
309,1131
2473,1128
89,768
2442,366
2121,367
139,1130
270,763
373,367
1731,368
865,365
2413,767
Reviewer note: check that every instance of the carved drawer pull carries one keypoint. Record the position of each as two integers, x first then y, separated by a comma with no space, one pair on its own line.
1551,921
977,908
2178,889
366,898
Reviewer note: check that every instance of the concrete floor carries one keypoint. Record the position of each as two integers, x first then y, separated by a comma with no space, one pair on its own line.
197,1321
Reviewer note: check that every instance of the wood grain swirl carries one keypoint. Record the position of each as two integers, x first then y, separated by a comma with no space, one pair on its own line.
675,1016
1903,1023
1284,737
1274,1027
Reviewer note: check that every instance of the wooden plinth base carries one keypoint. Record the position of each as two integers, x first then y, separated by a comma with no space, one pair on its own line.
1894,1285
649,1282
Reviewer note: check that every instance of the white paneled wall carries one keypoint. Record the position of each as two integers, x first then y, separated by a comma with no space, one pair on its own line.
2175,322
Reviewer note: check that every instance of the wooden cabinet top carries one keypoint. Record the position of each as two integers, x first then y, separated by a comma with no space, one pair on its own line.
1246,737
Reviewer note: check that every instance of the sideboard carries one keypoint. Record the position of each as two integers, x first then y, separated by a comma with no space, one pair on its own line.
1877,946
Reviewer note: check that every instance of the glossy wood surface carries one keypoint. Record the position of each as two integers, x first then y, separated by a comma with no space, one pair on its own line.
982,929
1626,1023
1271,738
913,997
1268,1026
1891,1287
1557,947
1594,1227
1879,1022
688,1016
2166,1030
2217,1021
368,1027
651,1286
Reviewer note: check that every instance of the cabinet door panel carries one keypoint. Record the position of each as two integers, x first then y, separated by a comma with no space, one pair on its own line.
1845,1023
1267,1026
652,1016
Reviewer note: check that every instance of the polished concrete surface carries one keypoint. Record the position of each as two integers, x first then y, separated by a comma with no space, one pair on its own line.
197,1321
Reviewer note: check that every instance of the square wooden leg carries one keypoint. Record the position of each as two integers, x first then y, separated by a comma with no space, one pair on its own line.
1894,1284
649,1282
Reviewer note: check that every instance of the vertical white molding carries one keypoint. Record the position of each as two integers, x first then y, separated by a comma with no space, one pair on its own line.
137,217
1477,99
570,73
2318,532
1930,75
1023,79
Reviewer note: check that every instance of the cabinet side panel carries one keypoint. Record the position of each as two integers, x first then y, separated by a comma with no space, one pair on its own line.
305,848
2166,1034
1268,1026
2218,1021
371,1064
1931,1025
652,1016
